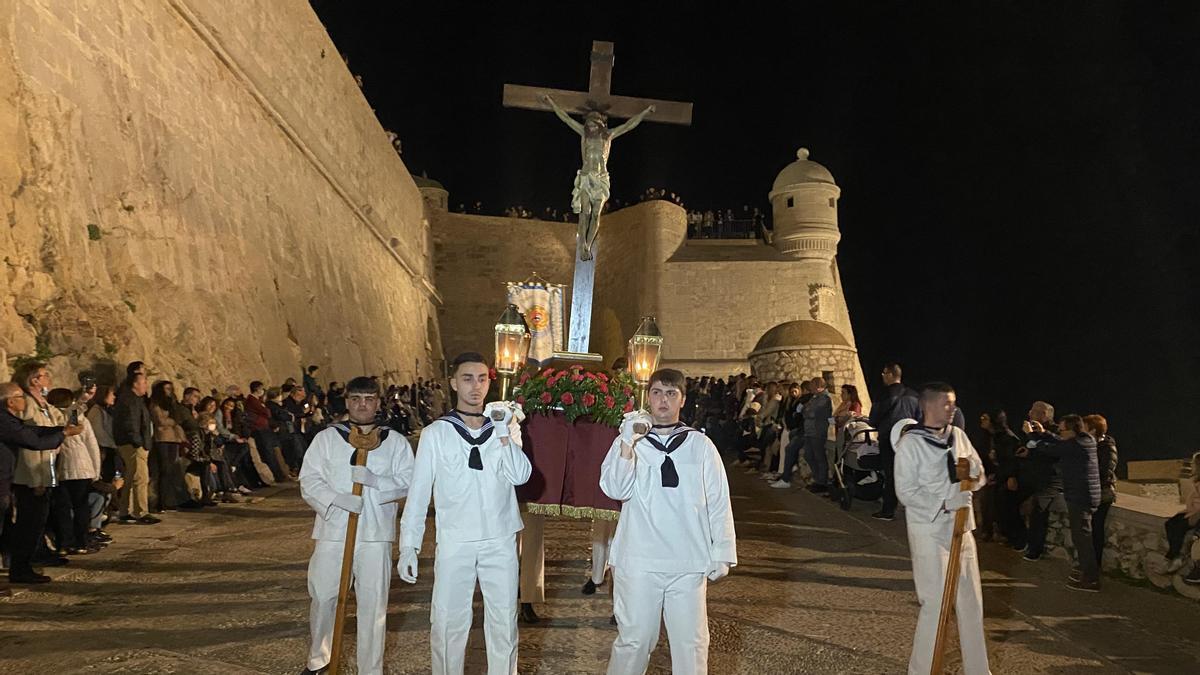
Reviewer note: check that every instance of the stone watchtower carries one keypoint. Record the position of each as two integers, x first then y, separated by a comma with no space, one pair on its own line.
804,201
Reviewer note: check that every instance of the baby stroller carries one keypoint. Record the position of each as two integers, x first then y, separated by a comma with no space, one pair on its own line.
856,464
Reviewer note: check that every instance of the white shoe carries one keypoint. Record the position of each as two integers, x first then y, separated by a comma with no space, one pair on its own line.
244,490
1174,564
780,484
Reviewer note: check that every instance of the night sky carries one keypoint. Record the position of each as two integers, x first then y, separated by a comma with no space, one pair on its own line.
1020,181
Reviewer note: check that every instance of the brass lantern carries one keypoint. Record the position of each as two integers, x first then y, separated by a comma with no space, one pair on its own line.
645,348
512,346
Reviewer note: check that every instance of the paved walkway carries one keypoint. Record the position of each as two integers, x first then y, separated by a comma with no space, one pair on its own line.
818,590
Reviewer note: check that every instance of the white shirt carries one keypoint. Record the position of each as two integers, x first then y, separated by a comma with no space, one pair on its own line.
923,475
326,473
471,504
670,529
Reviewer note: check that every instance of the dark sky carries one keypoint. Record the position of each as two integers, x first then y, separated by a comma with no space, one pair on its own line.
1020,180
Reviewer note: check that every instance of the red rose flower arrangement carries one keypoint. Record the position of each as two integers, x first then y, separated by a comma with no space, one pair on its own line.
576,392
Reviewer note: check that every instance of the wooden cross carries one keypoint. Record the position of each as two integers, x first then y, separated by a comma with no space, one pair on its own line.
596,98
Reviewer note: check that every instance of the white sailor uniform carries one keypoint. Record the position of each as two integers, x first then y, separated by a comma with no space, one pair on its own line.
471,476
676,526
326,484
923,484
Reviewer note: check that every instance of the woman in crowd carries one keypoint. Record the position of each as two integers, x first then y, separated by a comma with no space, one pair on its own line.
1106,458
168,489
230,429
77,465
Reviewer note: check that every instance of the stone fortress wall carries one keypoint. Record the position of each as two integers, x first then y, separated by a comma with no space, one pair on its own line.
201,185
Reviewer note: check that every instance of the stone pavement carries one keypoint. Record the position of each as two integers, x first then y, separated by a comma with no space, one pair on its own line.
818,590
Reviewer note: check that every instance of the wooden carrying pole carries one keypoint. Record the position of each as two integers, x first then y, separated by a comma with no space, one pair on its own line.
950,590
339,621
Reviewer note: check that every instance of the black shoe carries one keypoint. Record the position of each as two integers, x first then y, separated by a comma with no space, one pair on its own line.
589,587
148,520
1193,577
27,578
528,615
191,505
80,551
880,515
1018,546
1081,585
101,535
127,519
1031,557
318,671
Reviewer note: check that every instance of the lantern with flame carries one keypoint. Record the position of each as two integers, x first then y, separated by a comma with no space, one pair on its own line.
645,347
512,346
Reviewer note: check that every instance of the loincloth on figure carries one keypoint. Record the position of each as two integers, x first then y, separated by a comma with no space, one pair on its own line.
595,185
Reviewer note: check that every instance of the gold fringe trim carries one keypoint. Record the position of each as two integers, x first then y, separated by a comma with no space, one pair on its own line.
567,511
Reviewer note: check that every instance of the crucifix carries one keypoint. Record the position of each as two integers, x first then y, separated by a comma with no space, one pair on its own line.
592,184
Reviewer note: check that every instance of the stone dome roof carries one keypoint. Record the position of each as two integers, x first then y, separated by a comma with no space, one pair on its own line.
801,171
427,182
799,334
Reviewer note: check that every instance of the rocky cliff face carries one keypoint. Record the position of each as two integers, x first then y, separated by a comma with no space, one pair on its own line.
201,185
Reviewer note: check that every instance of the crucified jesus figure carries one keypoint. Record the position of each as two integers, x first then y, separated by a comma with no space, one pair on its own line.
592,185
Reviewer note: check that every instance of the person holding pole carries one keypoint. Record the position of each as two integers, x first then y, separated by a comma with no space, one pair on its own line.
937,469
468,463
353,474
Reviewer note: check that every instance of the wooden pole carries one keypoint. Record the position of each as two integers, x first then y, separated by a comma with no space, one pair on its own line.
339,621
950,590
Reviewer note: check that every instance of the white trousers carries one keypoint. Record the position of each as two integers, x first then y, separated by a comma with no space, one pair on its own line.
531,545
930,547
371,578
643,601
456,568
602,536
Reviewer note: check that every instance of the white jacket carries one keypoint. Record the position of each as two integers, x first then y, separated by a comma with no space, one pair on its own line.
326,473
677,530
35,468
471,505
79,456
923,476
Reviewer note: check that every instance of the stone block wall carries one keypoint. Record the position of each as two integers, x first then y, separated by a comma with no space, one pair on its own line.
201,185
801,364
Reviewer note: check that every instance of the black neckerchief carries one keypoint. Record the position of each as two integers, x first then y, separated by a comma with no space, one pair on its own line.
679,433
464,412
343,429
457,423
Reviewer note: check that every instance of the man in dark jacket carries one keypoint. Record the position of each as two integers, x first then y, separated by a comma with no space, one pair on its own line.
1075,452
134,434
897,402
816,427
1038,475
15,437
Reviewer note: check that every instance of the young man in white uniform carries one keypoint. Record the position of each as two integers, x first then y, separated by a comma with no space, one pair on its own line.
675,533
933,461
470,465
327,480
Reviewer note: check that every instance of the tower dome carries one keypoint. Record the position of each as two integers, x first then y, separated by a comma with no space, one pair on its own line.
804,210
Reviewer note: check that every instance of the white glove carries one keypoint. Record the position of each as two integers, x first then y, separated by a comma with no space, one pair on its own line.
407,567
347,502
500,414
517,411
363,475
960,499
717,570
628,435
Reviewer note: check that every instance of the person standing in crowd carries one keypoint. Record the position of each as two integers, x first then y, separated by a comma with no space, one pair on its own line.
468,463
327,481
25,474
817,413
1074,451
99,413
1008,491
897,402
1106,459
796,435
676,532
133,433
168,490
77,467
935,461
310,380
1183,523
1040,475
985,497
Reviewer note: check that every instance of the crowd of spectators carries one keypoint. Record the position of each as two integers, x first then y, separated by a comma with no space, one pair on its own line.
1070,460
75,461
